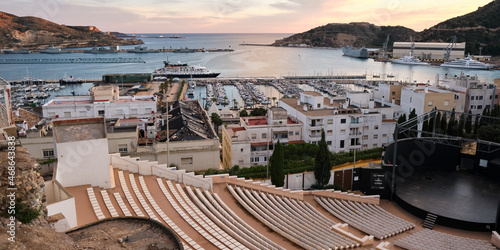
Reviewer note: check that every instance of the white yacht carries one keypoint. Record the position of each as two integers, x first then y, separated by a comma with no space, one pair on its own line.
467,63
409,60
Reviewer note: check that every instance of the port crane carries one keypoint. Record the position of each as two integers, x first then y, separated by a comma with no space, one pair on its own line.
449,48
385,56
412,46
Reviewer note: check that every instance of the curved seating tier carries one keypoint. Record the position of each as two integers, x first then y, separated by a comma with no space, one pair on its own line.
304,227
368,218
431,239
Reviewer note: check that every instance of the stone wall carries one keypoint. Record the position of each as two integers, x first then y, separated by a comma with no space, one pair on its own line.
28,180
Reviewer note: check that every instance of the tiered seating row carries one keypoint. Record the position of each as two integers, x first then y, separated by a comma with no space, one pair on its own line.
128,195
230,223
141,199
122,205
368,218
167,220
108,203
95,204
186,217
301,229
430,239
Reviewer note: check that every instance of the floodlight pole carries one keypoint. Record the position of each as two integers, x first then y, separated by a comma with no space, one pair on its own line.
394,158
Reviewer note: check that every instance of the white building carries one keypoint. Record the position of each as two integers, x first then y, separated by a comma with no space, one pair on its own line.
433,51
346,127
104,102
252,141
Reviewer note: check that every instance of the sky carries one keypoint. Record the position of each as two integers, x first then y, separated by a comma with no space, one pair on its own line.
238,16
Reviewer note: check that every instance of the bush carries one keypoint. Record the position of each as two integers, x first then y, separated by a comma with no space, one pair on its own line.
25,213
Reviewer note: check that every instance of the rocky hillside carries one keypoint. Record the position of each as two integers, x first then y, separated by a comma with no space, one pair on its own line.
34,32
342,34
480,28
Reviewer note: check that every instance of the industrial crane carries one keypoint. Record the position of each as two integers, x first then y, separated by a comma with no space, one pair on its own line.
449,48
384,55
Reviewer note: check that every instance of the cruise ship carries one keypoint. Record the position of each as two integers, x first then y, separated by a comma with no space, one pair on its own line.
354,52
182,70
467,63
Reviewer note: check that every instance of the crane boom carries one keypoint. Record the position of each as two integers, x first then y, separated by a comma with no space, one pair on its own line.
449,48
384,55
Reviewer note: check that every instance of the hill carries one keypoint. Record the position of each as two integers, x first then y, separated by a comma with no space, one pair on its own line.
342,34
34,32
480,28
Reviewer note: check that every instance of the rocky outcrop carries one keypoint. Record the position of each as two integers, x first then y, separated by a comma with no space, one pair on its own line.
33,32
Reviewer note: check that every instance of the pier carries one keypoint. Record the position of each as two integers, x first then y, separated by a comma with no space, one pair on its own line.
71,60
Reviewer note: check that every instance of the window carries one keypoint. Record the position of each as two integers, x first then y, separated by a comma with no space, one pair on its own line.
319,105
393,92
48,153
290,133
265,158
119,111
491,97
376,127
67,114
342,143
133,111
411,99
100,112
264,135
477,97
240,162
187,161
297,133
254,136
480,97
329,132
365,137
241,150
343,120
375,145
479,106
148,111
375,136
342,131
328,143
329,121
472,97
366,128
253,148
429,103
51,114
446,103
384,136
472,106
122,148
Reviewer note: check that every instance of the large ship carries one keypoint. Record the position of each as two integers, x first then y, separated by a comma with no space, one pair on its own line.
467,63
140,49
182,70
355,52
13,51
53,50
409,60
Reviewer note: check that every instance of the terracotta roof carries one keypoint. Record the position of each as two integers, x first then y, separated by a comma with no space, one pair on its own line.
260,121
260,143
289,121
238,129
313,93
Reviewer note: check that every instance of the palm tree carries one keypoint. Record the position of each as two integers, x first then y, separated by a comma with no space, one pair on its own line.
254,100
204,98
274,100
235,103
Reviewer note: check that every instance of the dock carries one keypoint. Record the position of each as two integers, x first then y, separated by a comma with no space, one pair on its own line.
71,60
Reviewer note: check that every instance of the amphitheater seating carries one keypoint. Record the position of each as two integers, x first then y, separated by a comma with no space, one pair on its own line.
430,239
128,195
108,203
95,204
143,203
231,226
295,223
368,218
122,205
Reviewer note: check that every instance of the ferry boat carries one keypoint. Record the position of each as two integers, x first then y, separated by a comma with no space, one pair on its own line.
354,52
467,63
183,70
53,50
70,80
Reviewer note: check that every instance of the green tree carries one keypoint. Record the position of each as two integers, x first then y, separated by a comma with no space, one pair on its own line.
452,128
490,132
425,126
444,123
274,100
401,119
217,121
461,124
276,165
438,123
413,124
468,123
243,113
322,162
258,112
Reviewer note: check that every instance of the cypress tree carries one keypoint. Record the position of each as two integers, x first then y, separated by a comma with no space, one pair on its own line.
438,123
413,124
461,125
401,119
468,123
430,128
444,123
425,126
476,125
452,125
322,162
276,163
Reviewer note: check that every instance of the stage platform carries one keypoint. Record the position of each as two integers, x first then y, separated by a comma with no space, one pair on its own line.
459,198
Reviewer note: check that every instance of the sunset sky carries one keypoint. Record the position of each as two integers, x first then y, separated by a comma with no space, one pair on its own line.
238,16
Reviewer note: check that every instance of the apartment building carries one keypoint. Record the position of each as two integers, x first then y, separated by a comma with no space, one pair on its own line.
252,141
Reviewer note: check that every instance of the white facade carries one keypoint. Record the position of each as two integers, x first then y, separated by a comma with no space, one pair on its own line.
59,200
423,99
346,127
88,107
428,50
